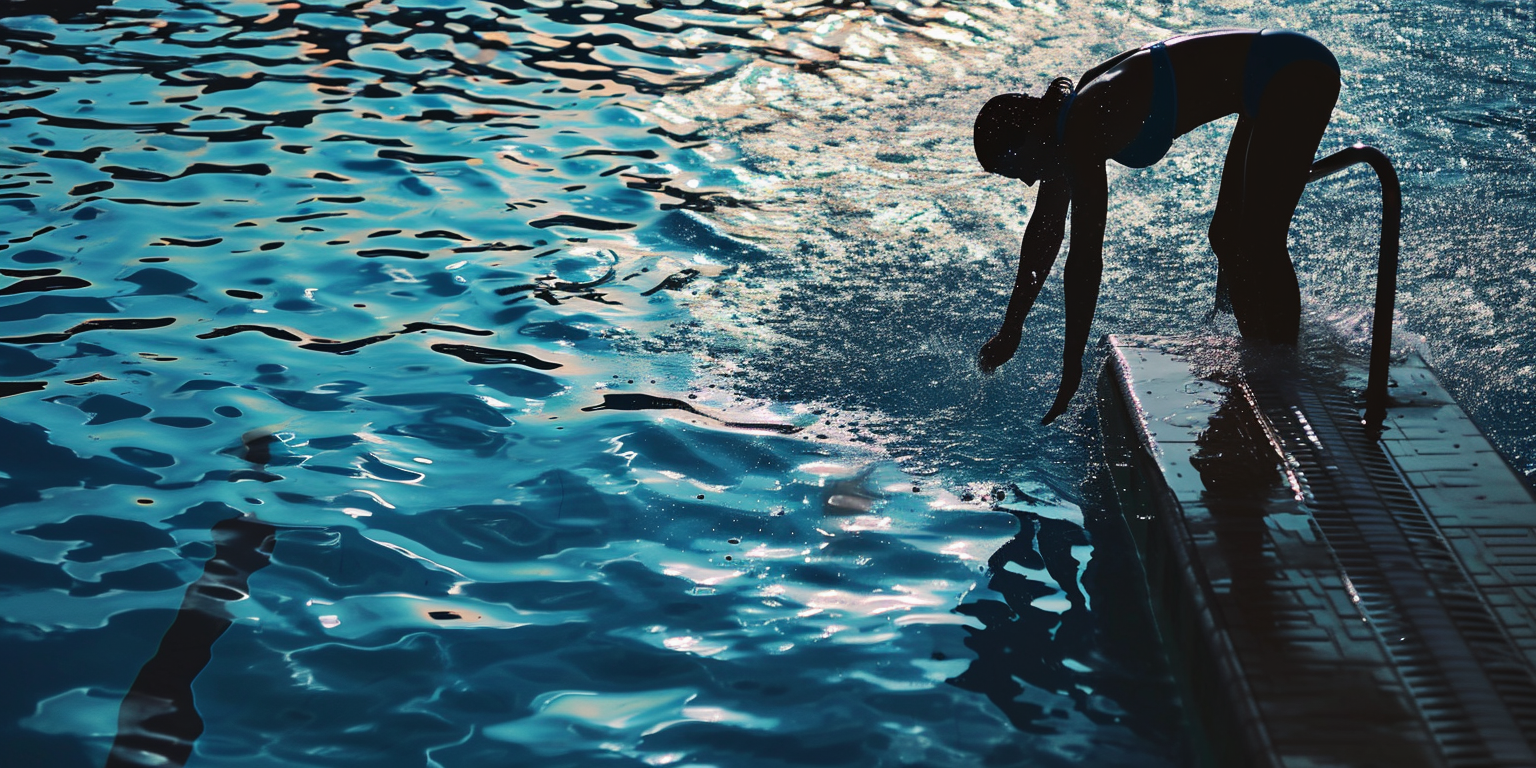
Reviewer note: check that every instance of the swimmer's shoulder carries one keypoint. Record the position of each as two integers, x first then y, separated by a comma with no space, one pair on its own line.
1109,107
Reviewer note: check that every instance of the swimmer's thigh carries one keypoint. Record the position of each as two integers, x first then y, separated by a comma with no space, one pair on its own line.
1292,116
1227,222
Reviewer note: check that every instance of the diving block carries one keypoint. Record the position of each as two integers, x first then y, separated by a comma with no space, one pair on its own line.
1330,594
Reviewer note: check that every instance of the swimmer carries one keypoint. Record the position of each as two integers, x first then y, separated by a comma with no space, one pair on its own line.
1281,85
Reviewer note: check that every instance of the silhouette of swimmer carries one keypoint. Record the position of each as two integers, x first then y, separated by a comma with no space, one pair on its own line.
1282,86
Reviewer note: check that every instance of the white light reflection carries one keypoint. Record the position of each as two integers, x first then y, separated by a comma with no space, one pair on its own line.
824,469
616,447
946,618
681,643
694,645
412,478
765,552
958,549
1082,553
705,577
885,603
866,523
376,497
414,556
622,719
1056,601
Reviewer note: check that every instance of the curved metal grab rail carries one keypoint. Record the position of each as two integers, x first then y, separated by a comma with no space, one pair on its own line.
1386,267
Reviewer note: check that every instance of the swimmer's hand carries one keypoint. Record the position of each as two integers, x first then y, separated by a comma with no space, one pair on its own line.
1071,372
997,351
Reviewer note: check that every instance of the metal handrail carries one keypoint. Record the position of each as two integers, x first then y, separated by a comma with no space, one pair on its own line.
1386,268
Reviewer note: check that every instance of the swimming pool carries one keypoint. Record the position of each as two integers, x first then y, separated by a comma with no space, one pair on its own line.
604,371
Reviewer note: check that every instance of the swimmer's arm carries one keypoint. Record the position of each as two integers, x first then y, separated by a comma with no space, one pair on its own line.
1085,267
1037,252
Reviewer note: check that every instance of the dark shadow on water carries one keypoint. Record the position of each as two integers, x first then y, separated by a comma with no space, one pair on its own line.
158,723
60,10
642,402
1094,657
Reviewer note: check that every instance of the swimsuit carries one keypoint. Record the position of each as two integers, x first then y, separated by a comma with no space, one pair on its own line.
1158,130
1270,52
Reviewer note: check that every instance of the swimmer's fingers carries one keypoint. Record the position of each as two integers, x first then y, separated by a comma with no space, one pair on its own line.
1063,399
1069,379
997,351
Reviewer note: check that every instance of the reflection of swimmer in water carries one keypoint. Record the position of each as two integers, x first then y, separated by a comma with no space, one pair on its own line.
1282,85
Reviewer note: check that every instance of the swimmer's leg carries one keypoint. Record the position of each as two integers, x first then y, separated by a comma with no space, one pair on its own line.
1226,224
1293,114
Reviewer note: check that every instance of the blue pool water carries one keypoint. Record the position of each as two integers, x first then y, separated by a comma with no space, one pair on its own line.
603,371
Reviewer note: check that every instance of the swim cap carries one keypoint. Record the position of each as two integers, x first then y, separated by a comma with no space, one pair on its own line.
1001,123
1008,118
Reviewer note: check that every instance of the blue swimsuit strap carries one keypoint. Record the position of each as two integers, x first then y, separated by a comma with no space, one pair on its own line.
1158,130
1161,124
1061,116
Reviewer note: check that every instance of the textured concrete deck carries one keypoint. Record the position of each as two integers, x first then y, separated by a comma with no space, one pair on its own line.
1331,599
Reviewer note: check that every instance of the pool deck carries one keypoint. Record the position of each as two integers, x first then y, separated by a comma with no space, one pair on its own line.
1329,598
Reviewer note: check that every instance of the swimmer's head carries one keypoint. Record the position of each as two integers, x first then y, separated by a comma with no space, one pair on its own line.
1015,134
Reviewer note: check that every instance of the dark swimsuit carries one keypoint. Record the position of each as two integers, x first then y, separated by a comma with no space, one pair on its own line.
1271,51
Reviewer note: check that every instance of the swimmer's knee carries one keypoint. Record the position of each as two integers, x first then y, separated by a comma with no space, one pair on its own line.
1222,237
